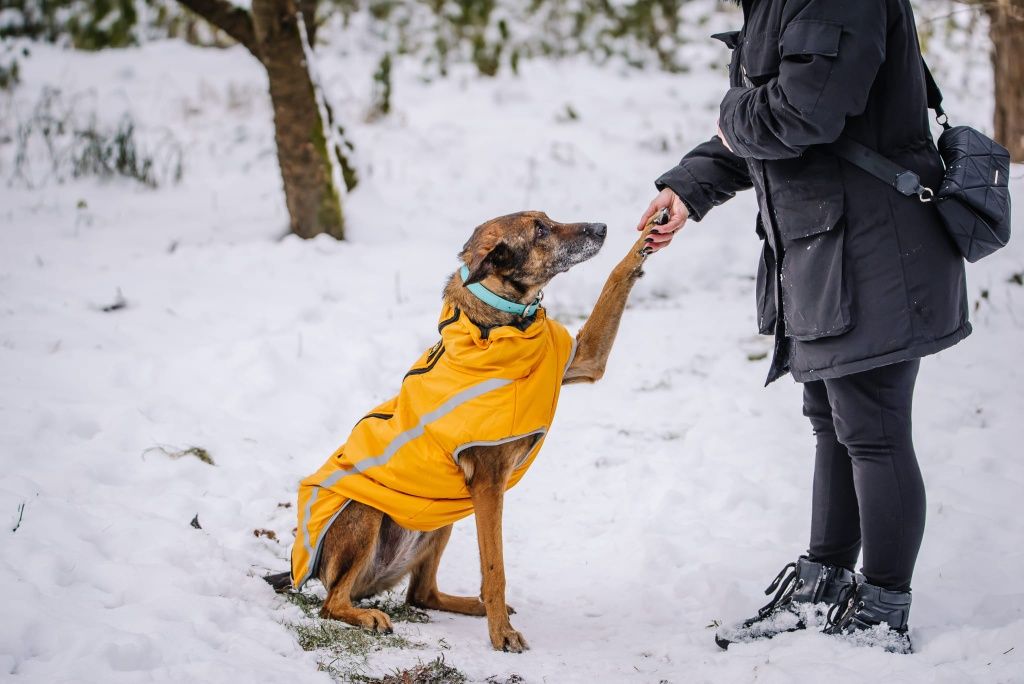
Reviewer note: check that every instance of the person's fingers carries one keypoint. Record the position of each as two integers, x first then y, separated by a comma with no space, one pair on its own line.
658,246
679,208
654,244
675,222
653,207
659,237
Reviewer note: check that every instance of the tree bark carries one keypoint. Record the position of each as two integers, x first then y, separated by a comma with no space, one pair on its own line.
308,9
302,148
271,32
1006,19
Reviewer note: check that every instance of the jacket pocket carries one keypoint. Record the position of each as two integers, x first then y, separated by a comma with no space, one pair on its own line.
815,294
807,200
814,45
806,193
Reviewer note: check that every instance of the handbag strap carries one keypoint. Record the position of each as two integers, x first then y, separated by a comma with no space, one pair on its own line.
905,181
934,95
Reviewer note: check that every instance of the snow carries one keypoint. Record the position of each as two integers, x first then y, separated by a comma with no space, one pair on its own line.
666,497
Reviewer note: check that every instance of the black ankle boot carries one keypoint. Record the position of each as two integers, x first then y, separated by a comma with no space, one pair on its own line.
802,591
872,616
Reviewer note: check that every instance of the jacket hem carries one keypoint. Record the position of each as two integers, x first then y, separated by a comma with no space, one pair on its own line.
913,352
314,561
539,432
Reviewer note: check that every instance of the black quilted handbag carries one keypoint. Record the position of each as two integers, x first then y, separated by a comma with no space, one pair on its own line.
973,199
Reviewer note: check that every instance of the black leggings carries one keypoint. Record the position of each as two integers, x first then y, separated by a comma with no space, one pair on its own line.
867,485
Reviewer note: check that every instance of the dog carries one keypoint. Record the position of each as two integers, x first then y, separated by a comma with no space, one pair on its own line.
451,443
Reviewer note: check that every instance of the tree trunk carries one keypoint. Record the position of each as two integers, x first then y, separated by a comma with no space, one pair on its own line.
271,33
1007,30
302,149
308,9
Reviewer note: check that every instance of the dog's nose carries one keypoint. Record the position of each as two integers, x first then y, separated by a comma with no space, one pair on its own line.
597,229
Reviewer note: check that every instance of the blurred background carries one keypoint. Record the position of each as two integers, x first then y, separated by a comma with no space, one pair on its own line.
433,40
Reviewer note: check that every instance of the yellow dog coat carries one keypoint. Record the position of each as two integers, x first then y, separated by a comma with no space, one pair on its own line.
469,389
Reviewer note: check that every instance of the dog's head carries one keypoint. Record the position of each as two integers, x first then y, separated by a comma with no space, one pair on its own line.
528,249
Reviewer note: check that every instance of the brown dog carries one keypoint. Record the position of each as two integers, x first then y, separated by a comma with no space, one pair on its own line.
364,551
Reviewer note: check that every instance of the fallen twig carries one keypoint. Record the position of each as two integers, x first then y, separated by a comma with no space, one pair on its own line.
119,303
21,514
199,452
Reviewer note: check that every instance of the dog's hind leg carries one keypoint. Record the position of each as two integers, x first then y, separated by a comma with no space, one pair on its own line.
423,592
349,547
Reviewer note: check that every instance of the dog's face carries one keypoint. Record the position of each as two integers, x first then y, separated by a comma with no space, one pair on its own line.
528,249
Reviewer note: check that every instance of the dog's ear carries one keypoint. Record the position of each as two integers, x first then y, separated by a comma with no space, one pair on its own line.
485,259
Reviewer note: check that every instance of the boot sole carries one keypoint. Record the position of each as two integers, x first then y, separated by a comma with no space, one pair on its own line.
724,643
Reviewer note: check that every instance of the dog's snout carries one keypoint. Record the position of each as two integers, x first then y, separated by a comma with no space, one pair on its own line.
597,229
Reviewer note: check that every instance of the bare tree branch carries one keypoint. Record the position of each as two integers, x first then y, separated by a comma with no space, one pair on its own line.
229,18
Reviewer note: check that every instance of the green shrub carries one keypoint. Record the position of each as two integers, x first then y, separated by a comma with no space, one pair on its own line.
56,142
86,24
491,34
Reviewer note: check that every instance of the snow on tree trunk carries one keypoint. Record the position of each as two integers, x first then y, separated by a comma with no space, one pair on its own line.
310,186
274,32
333,141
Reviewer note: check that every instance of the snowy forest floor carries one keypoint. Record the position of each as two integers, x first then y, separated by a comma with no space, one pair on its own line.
665,498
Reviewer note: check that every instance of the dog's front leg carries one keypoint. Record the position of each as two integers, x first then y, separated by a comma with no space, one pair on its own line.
487,472
595,339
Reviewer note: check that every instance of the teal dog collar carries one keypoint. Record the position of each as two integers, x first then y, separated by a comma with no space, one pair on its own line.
499,302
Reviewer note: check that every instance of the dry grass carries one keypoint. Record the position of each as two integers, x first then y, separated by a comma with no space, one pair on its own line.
437,671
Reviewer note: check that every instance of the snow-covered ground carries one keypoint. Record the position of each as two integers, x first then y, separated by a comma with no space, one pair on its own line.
666,496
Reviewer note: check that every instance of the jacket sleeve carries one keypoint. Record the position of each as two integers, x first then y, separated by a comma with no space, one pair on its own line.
830,54
707,176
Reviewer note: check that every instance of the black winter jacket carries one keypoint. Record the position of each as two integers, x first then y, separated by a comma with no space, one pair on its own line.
853,275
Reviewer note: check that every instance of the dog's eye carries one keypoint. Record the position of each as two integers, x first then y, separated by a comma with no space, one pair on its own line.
540,229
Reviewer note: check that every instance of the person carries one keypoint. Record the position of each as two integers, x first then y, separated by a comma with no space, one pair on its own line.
856,283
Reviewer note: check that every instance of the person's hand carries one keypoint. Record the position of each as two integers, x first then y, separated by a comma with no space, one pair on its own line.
677,214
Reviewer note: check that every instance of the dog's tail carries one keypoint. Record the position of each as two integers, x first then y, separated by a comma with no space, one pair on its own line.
281,582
